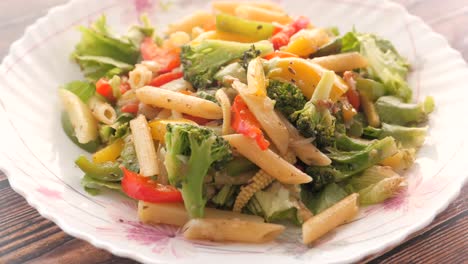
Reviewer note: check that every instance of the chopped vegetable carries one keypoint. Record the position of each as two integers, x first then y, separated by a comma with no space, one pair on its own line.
385,63
281,38
84,90
107,171
67,126
408,137
249,28
110,152
166,58
244,122
318,202
376,184
104,88
94,186
321,177
288,97
279,54
99,53
165,78
191,151
146,189
393,110
202,61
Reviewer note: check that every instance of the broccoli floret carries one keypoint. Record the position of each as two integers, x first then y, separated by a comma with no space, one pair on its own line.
408,137
393,110
249,55
202,61
315,119
289,98
207,95
191,151
321,176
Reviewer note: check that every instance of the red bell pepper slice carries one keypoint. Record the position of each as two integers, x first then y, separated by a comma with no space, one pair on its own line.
244,122
280,54
144,188
352,94
130,108
281,38
165,78
105,89
168,58
124,87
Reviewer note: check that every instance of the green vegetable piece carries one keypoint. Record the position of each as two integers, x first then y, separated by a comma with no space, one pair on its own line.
70,132
84,90
372,89
318,202
274,204
345,143
352,162
234,70
332,47
207,95
191,151
128,157
375,184
315,119
289,98
94,186
238,166
226,196
100,54
393,110
408,137
108,171
202,61
253,29
321,177
385,63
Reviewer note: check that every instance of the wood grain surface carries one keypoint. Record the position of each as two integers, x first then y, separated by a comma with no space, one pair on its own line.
26,237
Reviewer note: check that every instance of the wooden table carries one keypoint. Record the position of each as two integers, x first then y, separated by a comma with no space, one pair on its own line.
25,236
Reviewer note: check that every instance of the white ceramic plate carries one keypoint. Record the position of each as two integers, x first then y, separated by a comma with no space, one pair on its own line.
38,158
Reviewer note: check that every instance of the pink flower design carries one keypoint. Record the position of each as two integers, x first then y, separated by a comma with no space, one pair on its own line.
49,193
142,6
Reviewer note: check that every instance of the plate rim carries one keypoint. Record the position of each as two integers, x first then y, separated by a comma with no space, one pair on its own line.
103,244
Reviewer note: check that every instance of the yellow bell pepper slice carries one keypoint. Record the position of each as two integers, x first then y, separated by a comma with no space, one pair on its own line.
221,35
306,75
109,153
158,127
307,41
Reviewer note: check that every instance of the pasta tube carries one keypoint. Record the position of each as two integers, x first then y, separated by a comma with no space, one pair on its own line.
229,7
267,160
179,102
233,230
342,62
140,76
144,146
225,103
261,106
81,118
197,19
261,14
102,111
176,214
338,214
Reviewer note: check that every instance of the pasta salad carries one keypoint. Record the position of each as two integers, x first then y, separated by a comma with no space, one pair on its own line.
235,122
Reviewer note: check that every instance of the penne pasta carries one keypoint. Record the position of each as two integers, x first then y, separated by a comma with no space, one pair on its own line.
261,106
369,110
303,147
233,230
256,13
229,7
197,19
176,214
225,103
179,102
342,62
144,146
140,76
81,118
336,215
102,111
267,160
